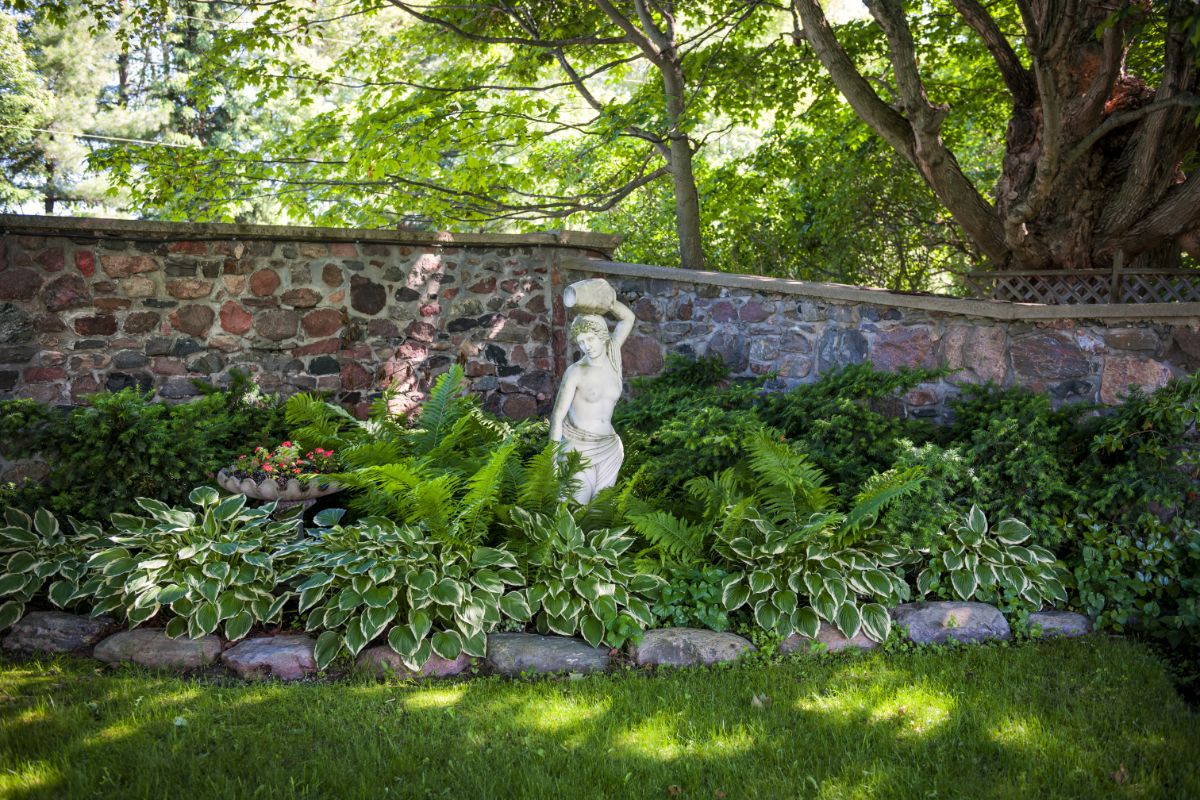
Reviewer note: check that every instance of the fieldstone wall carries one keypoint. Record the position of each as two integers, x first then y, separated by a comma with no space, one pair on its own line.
87,305
798,330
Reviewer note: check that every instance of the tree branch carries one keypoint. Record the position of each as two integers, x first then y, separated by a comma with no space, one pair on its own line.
550,44
1016,77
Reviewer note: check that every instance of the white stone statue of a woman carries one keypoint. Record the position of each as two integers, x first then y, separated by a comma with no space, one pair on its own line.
590,388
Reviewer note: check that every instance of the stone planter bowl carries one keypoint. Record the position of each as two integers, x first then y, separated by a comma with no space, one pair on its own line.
270,490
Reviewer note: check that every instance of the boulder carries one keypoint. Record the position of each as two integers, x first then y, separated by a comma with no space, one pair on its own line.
518,653
939,622
289,657
829,640
383,662
153,648
1049,624
686,647
55,632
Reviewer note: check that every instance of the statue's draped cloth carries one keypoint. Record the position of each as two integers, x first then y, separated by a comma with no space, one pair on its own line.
604,455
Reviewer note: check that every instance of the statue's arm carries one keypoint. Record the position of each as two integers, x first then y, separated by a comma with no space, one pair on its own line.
625,320
562,403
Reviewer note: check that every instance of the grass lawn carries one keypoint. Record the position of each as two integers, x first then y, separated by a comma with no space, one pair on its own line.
1092,718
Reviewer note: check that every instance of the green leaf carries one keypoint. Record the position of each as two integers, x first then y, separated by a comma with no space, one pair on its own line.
229,605
21,561
488,581
592,629
228,508
206,617
806,622
420,623
203,496
925,581
11,584
316,581
62,592
645,584
171,592
402,640
605,608
475,645
492,557
640,611
761,582
825,605
326,649
329,517
217,570
447,592
356,637
848,620
876,622
878,582
766,615
734,594
45,524
1012,531
107,556
176,627
976,521
515,606
310,597
447,644
964,583
379,596
238,625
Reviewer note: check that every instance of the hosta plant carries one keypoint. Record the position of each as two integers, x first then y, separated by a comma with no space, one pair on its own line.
792,580
198,569
994,565
357,582
578,582
40,558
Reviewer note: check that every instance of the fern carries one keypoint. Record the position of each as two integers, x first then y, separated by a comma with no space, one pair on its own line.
483,494
777,464
542,480
877,493
675,539
444,406
315,423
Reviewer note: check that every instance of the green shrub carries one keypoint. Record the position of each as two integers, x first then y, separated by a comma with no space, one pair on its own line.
1145,576
197,570
120,446
42,561
998,566
356,582
915,520
1023,453
840,424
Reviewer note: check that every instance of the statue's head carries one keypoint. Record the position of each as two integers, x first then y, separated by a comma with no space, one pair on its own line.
590,332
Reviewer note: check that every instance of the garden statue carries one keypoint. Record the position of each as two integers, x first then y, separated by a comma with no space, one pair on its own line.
590,388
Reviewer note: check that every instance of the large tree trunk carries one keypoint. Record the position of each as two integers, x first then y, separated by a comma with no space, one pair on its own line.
1093,156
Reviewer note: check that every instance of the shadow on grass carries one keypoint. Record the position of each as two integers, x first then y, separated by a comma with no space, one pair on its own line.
1092,718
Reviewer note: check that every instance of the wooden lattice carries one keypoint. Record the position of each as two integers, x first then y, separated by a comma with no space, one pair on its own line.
1068,287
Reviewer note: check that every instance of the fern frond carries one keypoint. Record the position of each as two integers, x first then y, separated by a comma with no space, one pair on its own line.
431,503
676,539
880,490
542,485
483,494
441,409
371,453
316,423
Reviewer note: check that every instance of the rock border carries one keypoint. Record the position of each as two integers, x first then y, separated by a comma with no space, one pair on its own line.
289,656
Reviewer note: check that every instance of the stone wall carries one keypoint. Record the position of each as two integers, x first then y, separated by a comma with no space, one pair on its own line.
798,330
101,304
87,305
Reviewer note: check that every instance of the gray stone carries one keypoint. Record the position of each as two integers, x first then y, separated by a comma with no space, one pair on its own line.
130,359
383,662
289,657
177,387
15,325
1059,623
55,632
208,363
733,350
829,640
686,647
840,348
184,346
153,648
943,621
518,653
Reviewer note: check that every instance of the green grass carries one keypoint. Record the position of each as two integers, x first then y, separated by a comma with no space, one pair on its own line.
1091,718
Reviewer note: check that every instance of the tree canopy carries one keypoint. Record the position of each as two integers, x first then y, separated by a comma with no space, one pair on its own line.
897,150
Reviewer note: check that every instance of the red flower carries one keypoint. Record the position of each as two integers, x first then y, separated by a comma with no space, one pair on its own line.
267,467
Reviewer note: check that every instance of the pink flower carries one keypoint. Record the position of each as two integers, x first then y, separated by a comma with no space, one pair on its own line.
267,467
